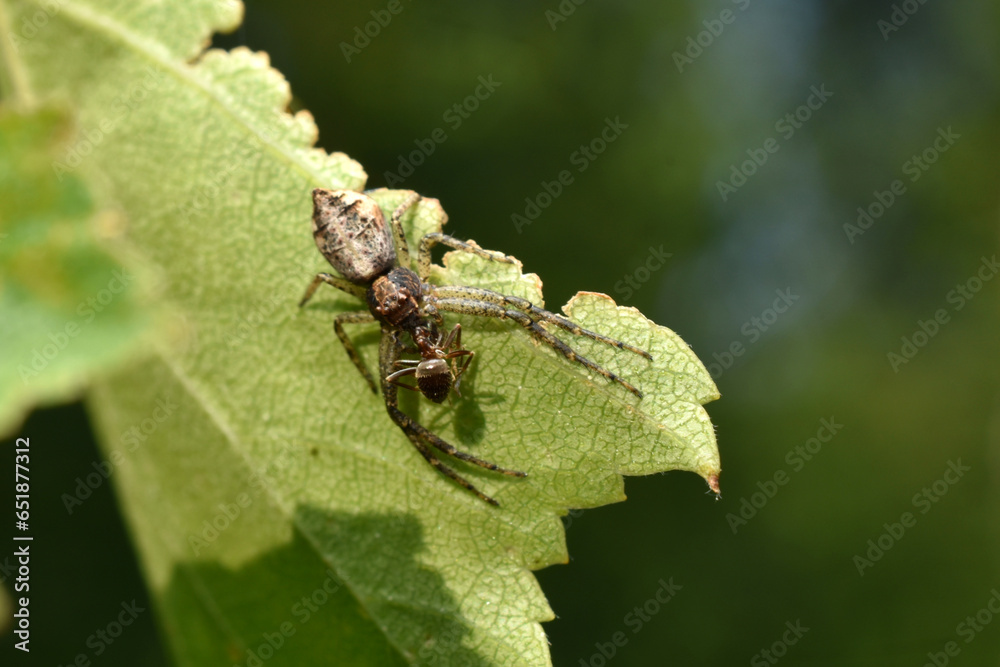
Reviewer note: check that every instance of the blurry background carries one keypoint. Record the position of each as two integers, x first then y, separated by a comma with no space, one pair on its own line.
748,136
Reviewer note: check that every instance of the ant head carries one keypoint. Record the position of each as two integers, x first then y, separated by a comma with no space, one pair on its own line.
434,379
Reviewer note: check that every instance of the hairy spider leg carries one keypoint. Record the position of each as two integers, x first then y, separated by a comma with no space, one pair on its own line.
481,308
420,437
430,240
398,237
355,317
343,284
489,296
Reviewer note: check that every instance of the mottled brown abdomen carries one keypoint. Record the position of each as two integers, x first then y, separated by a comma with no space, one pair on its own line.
351,232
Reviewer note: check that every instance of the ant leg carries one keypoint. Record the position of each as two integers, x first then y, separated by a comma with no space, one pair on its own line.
489,296
432,239
398,237
356,317
430,312
461,369
419,436
394,378
343,284
487,309
454,338
453,342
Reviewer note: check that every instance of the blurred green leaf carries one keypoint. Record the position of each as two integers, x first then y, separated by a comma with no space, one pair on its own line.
69,302
280,514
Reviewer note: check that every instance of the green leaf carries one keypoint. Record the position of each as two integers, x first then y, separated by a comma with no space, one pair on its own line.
69,300
279,512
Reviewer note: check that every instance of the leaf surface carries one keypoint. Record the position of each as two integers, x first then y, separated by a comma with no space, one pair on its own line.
277,508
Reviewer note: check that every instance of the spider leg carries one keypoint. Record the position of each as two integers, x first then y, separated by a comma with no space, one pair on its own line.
419,436
398,237
436,463
356,317
487,309
432,239
489,296
343,284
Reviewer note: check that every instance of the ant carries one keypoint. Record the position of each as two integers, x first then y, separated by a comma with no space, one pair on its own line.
435,377
373,260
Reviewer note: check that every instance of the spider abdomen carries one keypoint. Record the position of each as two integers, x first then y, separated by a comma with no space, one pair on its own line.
350,231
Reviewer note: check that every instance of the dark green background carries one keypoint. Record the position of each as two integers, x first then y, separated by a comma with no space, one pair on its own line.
656,185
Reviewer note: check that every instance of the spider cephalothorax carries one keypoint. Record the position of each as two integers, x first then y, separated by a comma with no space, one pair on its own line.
395,299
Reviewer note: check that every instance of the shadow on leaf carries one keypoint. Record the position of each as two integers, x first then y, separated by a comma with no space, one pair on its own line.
289,607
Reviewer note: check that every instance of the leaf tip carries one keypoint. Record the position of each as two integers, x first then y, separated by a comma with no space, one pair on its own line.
713,484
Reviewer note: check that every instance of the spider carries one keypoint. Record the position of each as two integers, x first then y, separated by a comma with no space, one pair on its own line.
373,260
